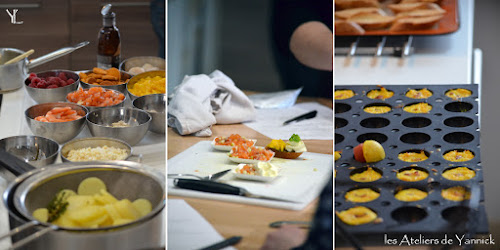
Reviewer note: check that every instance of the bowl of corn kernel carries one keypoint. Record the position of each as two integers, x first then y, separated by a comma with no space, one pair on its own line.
147,83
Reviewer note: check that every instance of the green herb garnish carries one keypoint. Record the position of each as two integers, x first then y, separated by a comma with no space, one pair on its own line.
57,206
295,138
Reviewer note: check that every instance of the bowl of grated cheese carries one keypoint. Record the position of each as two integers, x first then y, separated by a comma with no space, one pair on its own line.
95,149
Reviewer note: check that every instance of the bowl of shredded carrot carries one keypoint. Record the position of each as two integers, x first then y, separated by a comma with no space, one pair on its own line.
59,121
96,97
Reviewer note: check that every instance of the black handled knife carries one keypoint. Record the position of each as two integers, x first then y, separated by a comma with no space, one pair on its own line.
221,188
309,115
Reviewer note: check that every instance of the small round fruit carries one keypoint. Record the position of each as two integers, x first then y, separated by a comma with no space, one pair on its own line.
369,151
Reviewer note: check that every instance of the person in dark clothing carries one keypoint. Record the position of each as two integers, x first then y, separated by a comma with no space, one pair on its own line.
157,9
303,44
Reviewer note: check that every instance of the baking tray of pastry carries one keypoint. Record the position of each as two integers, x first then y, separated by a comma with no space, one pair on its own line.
450,126
395,18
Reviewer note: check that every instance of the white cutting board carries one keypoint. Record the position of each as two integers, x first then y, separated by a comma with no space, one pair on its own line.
301,180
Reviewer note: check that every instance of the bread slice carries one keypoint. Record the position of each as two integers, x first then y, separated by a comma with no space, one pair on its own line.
352,28
405,7
372,21
344,14
349,4
419,1
430,9
415,23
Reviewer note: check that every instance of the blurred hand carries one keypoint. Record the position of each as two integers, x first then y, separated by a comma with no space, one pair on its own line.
286,237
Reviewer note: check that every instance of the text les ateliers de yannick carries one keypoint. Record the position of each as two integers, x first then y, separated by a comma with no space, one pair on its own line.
454,239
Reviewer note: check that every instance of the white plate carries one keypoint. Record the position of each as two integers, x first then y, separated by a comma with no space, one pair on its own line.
240,160
252,177
227,148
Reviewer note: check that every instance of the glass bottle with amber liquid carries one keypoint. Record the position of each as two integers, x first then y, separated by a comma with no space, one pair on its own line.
108,48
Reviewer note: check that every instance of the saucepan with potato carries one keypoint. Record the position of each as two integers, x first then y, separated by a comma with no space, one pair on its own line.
91,205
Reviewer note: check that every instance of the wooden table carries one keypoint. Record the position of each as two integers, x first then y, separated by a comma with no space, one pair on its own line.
230,219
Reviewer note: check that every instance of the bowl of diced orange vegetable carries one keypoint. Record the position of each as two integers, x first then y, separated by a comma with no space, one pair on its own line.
108,78
59,121
96,98
147,83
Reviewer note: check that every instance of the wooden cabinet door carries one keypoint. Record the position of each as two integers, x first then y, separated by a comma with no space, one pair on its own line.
132,19
45,28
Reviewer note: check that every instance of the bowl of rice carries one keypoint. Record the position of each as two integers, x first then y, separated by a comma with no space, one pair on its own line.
95,149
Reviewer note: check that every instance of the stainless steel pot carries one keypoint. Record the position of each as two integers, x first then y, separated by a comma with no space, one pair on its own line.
12,76
124,179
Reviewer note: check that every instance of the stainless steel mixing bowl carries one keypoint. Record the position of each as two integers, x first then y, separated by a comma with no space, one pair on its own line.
136,78
155,106
37,151
125,180
100,123
56,94
58,131
92,108
93,142
121,87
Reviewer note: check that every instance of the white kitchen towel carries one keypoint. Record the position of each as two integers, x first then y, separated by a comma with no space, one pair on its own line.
201,101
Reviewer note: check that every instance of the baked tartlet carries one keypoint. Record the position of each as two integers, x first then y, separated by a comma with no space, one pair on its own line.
377,109
459,156
343,94
357,216
418,93
338,155
381,93
291,149
418,108
361,195
458,93
412,175
459,174
368,175
410,194
413,156
457,193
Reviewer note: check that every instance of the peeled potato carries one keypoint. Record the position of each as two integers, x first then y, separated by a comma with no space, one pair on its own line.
41,214
143,206
105,198
77,201
88,216
126,210
91,186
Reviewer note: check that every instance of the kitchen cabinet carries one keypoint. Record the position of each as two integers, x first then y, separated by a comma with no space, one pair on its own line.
52,24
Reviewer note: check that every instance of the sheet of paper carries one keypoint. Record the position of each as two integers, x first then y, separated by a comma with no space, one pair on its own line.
187,229
269,122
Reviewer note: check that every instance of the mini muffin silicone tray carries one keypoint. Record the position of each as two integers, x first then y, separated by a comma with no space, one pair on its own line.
450,125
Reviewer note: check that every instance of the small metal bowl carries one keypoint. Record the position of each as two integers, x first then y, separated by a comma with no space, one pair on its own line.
120,87
139,61
58,131
35,150
92,108
136,78
52,95
93,142
155,106
100,123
